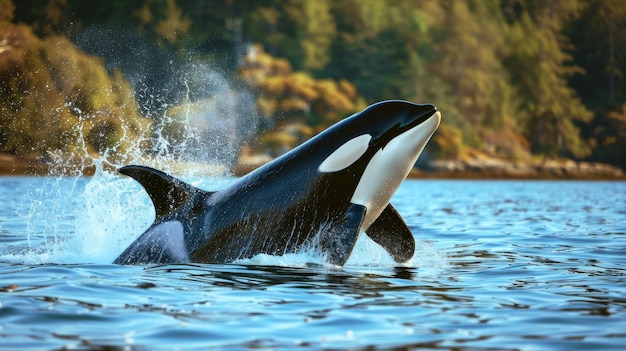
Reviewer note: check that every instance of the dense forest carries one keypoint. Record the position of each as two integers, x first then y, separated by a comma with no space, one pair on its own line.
514,79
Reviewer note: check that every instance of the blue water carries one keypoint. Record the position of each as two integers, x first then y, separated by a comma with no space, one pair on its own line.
500,265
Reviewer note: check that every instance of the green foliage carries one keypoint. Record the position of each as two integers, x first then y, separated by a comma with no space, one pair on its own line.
597,37
538,62
57,99
467,58
511,77
316,30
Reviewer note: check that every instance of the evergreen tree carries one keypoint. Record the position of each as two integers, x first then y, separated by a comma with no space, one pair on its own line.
597,37
469,46
539,64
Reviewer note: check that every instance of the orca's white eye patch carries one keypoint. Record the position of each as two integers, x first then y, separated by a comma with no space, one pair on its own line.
346,154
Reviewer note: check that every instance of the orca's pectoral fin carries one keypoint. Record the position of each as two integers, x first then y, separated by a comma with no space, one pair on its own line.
340,240
167,193
391,232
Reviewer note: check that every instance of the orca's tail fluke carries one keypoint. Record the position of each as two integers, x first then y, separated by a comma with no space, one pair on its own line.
166,192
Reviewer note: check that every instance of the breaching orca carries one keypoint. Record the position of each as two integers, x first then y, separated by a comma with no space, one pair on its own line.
323,193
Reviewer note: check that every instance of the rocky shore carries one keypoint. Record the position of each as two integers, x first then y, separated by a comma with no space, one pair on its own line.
476,168
503,169
489,168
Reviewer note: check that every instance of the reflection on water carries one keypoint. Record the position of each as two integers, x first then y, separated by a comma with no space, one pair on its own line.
499,265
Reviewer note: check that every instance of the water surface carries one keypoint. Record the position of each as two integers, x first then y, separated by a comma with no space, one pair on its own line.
500,265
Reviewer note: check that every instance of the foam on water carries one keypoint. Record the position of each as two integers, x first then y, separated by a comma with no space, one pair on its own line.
366,253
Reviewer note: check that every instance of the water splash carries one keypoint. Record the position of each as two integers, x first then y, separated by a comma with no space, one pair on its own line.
81,220
210,124
73,219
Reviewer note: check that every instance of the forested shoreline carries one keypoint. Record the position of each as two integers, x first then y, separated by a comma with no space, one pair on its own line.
516,80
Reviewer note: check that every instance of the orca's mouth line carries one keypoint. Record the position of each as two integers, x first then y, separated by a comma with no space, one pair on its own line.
398,129
418,120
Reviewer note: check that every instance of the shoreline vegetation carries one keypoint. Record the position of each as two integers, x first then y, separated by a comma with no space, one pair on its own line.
527,88
477,168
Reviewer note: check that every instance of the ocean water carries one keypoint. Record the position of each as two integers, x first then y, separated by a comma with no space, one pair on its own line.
500,265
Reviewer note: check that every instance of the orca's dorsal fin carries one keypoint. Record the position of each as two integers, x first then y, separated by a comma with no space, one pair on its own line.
391,232
166,192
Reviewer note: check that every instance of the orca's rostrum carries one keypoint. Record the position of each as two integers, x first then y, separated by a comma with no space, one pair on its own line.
323,193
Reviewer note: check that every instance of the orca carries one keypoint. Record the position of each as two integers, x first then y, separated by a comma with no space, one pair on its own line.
322,194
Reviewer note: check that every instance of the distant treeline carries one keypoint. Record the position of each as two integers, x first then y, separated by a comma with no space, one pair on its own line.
513,78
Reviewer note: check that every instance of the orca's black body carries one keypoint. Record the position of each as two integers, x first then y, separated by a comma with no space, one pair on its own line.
324,193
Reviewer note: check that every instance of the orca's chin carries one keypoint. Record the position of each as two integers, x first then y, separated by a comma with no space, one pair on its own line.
390,166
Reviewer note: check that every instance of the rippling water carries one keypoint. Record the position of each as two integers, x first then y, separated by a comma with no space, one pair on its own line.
507,265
